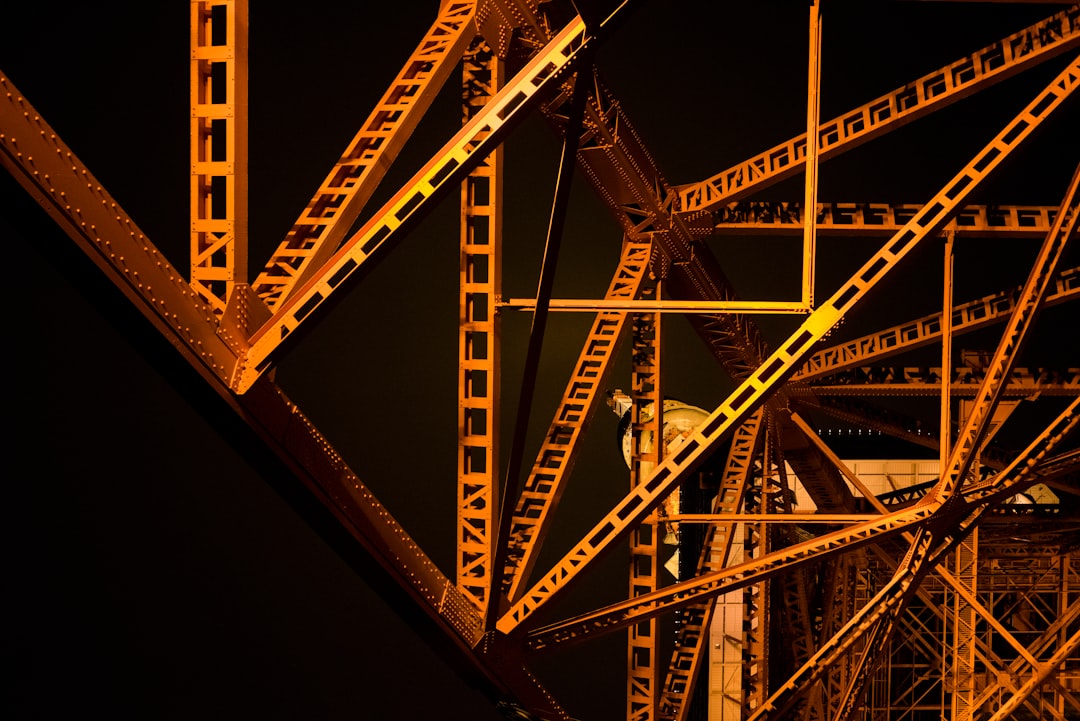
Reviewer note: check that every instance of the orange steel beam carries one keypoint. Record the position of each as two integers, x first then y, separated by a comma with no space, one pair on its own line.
480,283
219,149
1016,331
958,459
691,640
1041,673
661,306
540,495
1047,638
763,217
874,622
546,71
337,203
646,451
813,117
732,578
762,382
921,558
922,331
1043,40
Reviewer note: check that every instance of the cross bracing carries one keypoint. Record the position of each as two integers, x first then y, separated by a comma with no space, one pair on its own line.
495,603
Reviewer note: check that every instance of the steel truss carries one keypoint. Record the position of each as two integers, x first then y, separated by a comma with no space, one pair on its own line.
811,593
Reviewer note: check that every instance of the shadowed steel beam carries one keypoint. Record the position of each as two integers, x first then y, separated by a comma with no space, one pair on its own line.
360,527
43,164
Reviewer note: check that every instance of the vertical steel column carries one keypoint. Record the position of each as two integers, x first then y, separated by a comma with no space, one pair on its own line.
646,452
813,104
757,616
964,618
478,342
219,107
715,625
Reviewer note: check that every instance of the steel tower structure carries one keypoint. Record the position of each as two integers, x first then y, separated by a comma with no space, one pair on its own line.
809,585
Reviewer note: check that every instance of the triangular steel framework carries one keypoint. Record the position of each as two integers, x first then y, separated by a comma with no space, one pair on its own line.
842,597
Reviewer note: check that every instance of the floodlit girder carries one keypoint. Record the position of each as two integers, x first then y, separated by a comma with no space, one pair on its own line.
1050,37
923,331
546,70
337,203
455,612
1024,471
545,483
999,368
646,450
622,171
1040,675
624,174
479,330
732,578
691,641
219,149
870,220
763,381
1046,640
874,623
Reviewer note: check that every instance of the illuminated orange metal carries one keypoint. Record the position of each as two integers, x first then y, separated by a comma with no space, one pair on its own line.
871,220
674,469
646,450
213,327
1049,37
922,331
336,205
464,150
479,378
813,113
544,486
692,638
219,149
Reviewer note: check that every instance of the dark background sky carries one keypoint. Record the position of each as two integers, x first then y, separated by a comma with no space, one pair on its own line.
150,572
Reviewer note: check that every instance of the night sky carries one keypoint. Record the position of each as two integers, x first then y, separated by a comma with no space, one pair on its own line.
150,571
